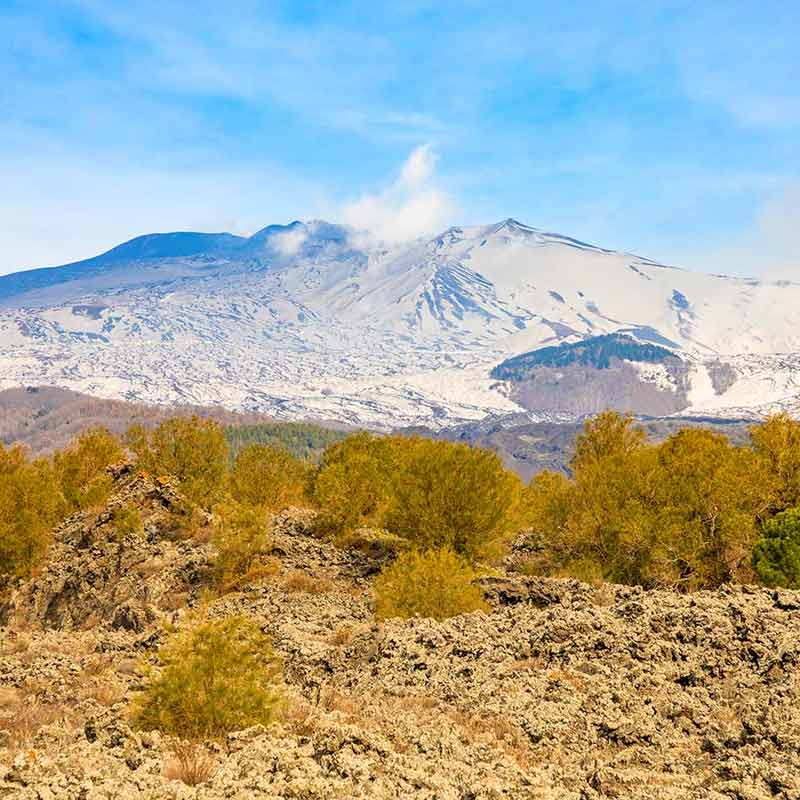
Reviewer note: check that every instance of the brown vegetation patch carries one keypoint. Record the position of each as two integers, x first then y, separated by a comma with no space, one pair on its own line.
301,582
190,763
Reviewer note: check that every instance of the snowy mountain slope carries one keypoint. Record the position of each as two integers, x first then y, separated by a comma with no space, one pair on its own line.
314,319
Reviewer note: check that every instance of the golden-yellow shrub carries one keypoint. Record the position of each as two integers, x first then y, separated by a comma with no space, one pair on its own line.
193,450
606,435
352,485
451,495
81,468
429,493
241,538
269,477
776,442
30,505
433,583
683,514
214,677
712,496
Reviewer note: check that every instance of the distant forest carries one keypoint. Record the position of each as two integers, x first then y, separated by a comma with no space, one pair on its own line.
303,440
596,352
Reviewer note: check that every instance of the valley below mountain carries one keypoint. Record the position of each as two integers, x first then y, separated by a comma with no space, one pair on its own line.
318,321
46,418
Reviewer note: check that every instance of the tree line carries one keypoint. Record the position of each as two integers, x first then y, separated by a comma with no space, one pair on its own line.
691,512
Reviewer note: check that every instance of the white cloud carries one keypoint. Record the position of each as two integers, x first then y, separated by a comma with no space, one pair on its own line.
419,167
776,236
289,242
768,247
412,205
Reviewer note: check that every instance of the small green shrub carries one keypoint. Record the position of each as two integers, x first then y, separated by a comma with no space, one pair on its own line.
241,537
776,555
215,677
127,521
185,520
435,583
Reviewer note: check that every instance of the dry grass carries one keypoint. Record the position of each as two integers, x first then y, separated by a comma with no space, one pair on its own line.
92,622
576,680
504,733
185,522
77,645
128,666
172,601
152,566
332,700
191,764
104,693
524,665
530,568
300,582
97,664
15,644
374,543
299,716
342,636
22,716
267,568
302,717
604,596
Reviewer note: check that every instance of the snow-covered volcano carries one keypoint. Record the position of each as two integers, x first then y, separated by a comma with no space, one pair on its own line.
314,319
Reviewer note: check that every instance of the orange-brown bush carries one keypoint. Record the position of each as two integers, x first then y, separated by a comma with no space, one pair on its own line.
301,582
190,763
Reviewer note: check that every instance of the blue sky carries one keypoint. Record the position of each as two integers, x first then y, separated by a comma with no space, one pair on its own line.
667,128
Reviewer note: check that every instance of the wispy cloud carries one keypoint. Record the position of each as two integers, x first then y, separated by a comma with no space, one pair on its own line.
65,209
768,246
289,242
742,63
412,205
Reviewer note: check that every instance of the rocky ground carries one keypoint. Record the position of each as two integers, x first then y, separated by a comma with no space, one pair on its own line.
562,691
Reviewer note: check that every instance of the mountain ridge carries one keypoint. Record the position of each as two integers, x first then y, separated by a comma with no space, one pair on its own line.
187,243
314,319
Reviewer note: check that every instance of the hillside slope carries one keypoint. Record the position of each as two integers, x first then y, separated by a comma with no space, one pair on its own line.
562,691
47,418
